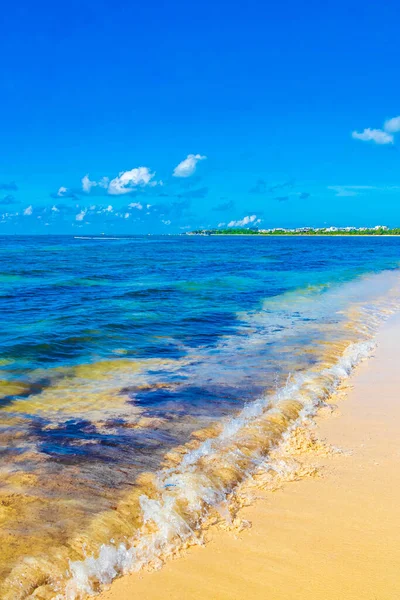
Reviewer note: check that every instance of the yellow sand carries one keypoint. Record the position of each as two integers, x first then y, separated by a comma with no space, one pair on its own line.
331,538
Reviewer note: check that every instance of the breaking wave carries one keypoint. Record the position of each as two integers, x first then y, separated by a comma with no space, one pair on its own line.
204,477
167,509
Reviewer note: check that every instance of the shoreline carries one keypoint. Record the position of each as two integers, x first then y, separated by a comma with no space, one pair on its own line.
325,235
327,537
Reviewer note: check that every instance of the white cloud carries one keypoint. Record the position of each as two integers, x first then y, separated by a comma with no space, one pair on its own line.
350,190
7,215
361,187
221,224
355,190
62,191
128,180
87,183
80,216
127,215
187,167
55,209
249,220
124,183
373,135
166,222
342,191
105,209
103,183
28,211
392,125
136,205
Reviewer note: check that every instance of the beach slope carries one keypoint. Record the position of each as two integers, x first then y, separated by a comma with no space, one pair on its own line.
331,537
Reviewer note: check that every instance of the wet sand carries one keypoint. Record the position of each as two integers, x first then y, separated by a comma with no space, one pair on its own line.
331,537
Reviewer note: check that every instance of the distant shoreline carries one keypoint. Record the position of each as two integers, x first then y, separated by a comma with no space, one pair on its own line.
297,235
117,237
302,232
285,235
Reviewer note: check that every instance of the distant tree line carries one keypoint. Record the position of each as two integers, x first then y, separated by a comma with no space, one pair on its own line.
308,232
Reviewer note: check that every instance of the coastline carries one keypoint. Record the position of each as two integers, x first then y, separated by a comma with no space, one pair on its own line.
324,235
333,536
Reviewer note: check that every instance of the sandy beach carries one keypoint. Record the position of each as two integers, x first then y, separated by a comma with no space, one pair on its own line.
332,536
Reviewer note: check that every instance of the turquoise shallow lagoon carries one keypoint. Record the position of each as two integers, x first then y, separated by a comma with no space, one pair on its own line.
144,377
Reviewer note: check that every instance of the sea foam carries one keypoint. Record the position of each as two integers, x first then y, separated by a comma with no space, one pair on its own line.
208,475
167,511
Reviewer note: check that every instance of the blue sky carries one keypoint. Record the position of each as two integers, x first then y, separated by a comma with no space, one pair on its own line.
186,115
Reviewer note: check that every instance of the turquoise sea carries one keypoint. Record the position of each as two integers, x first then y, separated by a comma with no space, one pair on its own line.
143,378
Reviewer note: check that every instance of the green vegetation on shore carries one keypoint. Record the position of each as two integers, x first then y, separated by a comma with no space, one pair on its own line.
379,230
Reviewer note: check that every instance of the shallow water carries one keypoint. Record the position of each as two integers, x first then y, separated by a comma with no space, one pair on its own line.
143,378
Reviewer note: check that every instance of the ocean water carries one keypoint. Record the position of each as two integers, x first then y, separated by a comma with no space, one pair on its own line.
144,378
